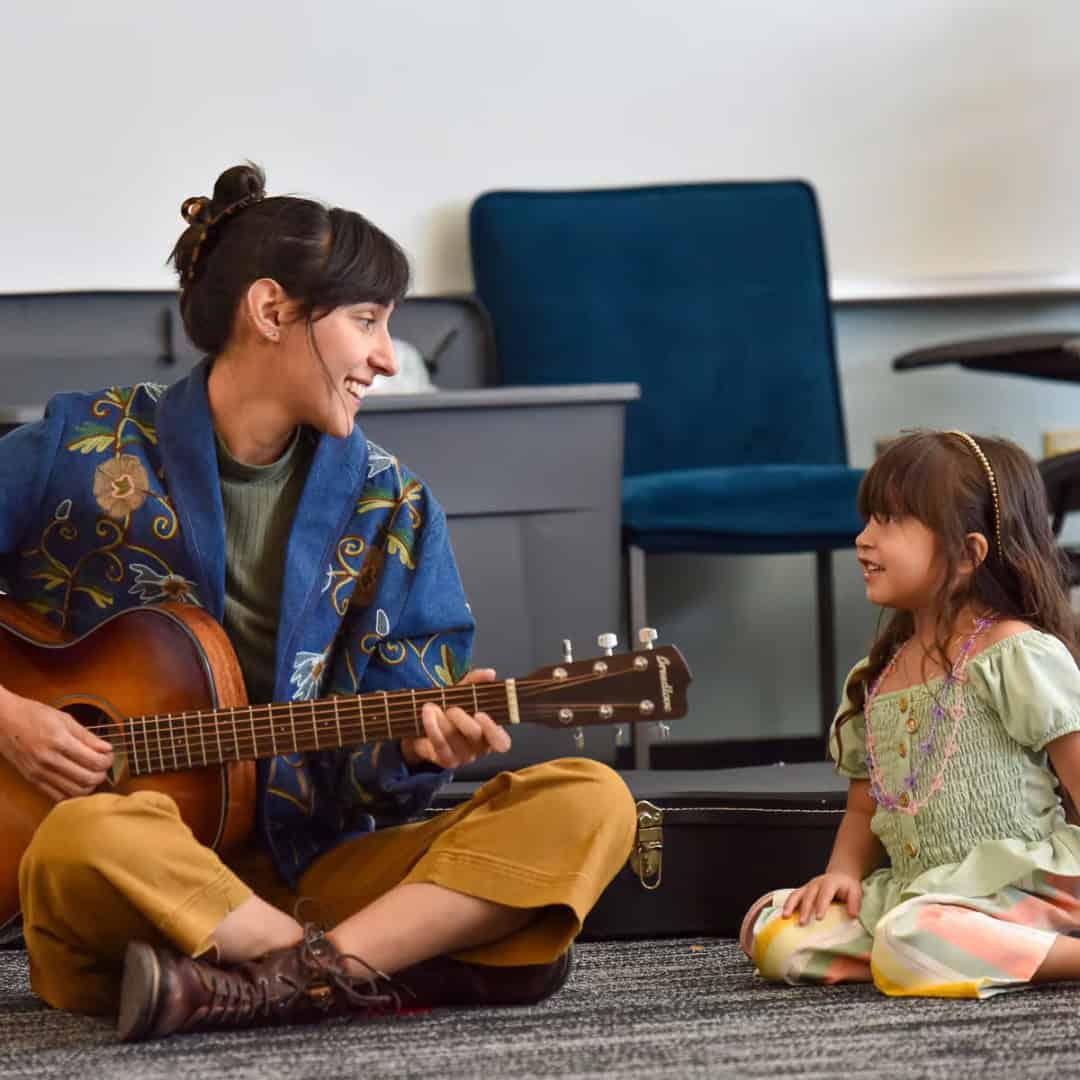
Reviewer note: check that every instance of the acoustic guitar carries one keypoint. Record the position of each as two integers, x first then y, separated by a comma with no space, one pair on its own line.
162,684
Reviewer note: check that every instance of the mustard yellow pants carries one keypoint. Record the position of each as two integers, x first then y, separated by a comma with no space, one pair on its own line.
108,869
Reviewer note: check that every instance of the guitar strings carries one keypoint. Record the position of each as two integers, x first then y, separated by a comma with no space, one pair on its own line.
399,704
161,735
249,729
306,730
241,745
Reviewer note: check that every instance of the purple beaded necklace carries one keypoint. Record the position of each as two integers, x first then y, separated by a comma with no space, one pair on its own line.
907,802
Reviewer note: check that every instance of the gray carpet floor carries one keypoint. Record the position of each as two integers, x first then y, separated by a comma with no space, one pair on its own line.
635,1009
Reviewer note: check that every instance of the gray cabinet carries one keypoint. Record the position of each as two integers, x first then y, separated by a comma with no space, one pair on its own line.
531,480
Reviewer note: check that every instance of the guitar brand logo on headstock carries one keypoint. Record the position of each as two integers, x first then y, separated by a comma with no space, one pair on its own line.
663,663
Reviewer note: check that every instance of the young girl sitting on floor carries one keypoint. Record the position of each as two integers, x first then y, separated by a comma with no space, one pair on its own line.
951,733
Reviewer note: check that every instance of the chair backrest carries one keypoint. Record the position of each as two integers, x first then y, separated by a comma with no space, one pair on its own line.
714,297
1061,475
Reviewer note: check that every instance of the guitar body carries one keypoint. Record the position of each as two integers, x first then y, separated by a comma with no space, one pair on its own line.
150,660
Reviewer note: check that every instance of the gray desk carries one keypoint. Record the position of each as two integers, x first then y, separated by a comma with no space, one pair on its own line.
530,479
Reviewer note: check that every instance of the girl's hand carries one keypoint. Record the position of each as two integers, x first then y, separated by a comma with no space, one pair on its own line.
51,749
454,738
817,894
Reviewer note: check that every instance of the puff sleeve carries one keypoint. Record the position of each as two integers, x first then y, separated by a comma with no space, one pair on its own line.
1033,684
847,738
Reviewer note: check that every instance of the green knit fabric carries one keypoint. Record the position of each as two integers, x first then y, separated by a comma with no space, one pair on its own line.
997,817
260,502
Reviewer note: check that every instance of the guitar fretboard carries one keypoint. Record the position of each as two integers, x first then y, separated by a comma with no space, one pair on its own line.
173,741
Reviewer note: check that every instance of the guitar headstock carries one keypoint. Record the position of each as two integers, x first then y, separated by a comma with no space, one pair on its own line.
648,684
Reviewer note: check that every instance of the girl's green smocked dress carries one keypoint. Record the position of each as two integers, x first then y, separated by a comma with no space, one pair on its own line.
998,817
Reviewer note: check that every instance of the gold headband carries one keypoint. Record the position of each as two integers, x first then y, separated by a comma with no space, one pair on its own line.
984,461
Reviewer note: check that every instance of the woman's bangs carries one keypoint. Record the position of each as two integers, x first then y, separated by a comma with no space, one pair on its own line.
364,265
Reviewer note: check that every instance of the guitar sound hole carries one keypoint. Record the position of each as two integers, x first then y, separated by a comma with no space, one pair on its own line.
101,724
97,721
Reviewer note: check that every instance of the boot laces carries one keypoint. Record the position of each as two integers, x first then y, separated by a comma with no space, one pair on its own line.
324,981
233,1000
326,971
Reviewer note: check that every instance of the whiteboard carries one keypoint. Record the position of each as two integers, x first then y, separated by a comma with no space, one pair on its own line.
941,135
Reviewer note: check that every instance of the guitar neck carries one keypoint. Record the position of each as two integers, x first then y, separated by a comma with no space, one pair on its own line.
645,685
173,741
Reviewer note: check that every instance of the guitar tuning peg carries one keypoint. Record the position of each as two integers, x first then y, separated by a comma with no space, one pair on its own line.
647,635
608,642
663,730
567,651
622,735
579,739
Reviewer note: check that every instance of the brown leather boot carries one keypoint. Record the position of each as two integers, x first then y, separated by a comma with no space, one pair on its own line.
444,981
164,991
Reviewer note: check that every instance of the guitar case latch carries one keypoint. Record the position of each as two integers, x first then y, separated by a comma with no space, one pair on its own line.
647,858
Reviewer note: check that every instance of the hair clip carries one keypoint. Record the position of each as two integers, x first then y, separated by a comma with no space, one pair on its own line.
192,210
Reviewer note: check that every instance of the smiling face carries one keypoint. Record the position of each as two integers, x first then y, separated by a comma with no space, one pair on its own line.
901,563
328,365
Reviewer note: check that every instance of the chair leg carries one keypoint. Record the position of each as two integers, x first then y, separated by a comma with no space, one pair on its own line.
635,567
826,632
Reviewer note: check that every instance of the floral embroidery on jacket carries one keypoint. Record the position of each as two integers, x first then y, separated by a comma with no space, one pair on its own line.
341,579
121,485
87,557
307,674
152,587
379,460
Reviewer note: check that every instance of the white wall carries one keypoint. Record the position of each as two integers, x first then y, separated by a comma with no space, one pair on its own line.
941,134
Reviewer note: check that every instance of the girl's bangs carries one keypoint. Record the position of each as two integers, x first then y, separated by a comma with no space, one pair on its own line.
900,483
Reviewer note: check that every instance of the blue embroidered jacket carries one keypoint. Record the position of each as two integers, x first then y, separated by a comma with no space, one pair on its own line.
113,500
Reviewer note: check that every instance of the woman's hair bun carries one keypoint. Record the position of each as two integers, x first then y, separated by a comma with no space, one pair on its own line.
239,182
245,181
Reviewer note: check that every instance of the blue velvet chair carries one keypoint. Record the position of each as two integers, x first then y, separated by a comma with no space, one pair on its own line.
714,297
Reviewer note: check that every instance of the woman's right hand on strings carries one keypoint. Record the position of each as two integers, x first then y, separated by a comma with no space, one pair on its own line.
818,893
51,749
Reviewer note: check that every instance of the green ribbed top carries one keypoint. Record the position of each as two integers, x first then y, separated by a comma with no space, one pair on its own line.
260,502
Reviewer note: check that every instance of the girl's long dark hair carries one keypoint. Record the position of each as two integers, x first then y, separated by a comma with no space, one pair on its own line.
935,477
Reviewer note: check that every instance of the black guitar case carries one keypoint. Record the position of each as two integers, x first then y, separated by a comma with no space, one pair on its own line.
709,844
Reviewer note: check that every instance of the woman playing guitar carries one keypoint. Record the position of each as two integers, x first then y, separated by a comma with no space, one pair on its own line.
246,493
